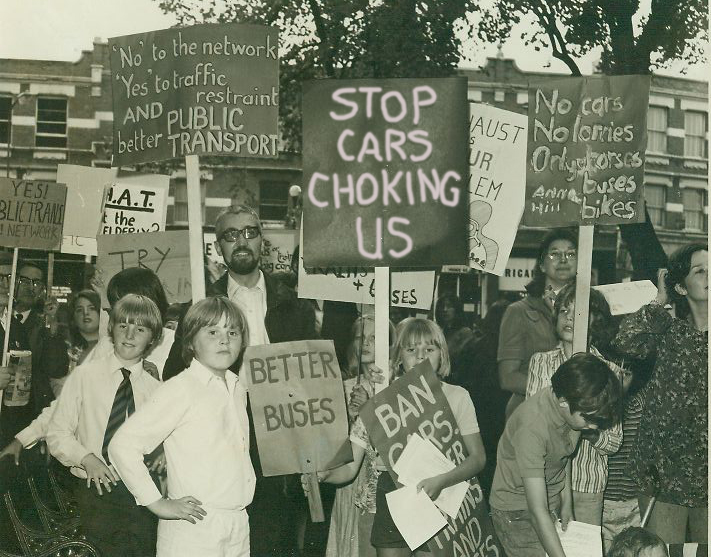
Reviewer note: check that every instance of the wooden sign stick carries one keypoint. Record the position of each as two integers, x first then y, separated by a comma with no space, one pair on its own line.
314,498
197,264
8,313
382,324
582,288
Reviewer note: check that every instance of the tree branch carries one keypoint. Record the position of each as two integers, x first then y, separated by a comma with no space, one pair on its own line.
325,46
559,49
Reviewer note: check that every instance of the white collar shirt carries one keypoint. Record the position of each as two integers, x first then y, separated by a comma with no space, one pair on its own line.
253,303
203,425
79,420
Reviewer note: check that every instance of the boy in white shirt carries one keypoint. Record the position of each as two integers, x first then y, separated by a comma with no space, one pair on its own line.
95,401
200,417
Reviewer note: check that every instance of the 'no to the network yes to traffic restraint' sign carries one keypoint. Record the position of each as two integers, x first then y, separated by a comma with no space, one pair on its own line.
207,89
385,172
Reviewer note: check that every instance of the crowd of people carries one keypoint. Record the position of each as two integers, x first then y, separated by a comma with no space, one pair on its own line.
147,421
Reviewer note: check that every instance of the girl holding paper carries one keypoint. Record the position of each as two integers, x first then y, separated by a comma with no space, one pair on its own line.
416,340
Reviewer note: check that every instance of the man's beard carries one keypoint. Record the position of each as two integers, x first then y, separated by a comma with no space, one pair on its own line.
243,265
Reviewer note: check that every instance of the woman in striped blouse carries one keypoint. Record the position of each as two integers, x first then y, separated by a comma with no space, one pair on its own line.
589,466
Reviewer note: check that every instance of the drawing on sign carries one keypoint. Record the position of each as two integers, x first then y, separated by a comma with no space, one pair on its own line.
205,89
385,165
482,250
586,147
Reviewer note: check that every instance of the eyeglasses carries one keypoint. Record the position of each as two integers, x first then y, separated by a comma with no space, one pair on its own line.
26,281
233,234
562,255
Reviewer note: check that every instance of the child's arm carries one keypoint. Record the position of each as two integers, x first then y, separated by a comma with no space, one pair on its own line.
537,500
63,443
538,374
467,469
29,436
141,434
606,441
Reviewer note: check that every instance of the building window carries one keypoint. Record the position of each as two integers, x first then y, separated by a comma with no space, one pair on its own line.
180,202
5,106
657,129
694,202
695,144
51,122
656,197
273,200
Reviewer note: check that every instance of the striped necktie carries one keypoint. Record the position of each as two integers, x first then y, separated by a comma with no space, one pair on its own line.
123,407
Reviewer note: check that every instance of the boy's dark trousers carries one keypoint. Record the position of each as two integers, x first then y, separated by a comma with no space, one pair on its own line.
114,523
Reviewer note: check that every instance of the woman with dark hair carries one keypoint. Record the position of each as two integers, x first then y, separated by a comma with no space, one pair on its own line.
673,431
449,314
528,325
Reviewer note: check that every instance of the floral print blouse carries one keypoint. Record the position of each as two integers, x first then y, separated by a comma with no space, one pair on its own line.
673,432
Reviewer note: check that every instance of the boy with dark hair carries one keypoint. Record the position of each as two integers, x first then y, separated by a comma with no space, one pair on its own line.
531,487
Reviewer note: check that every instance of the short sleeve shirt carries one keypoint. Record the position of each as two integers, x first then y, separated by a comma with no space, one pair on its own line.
537,443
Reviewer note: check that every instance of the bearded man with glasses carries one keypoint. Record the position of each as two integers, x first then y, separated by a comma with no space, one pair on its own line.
274,314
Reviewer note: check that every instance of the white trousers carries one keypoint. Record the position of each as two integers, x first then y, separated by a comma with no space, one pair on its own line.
219,534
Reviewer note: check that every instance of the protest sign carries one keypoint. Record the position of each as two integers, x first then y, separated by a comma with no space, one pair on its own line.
132,207
85,192
385,167
277,249
628,297
412,404
164,253
497,163
206,89
586,149
298,406
31,214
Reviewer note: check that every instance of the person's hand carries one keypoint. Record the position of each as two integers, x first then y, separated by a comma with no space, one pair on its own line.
662,296
186,508
359,396
98,473
373,374
97,283
549,296
13,449
5,377
51,305
320,476
158,464
566,515
431,486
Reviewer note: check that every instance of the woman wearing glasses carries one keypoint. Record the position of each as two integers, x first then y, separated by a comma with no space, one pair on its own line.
528,326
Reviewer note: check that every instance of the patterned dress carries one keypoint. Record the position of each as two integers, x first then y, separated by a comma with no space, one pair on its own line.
673,432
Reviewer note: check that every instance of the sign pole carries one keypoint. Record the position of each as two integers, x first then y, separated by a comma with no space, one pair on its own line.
50,272
8,313
314,498
197,273
582,288
382,324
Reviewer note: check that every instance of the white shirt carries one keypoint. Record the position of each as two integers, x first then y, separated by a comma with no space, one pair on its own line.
253,303
79,420
158,355
204,429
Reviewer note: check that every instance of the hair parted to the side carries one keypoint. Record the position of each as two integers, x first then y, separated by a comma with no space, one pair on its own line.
602,327
234,210
412,330
678,268
632,541
137,280
94,299
538,282
590,387
209,312
137,310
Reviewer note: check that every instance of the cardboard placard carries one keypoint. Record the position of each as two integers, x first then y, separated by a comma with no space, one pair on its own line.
206,89
85,193
628,297
587,138
497,162
277,249
31,214
385,170
164,253
415,403
131,208
298,406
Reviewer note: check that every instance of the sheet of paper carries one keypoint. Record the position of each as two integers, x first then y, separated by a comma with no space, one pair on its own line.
580,539
628,297
421,460
415,515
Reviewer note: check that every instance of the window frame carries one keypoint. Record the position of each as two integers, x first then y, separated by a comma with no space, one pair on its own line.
50,135
662,209
651,132
702,136
700,211
271,204
8,121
